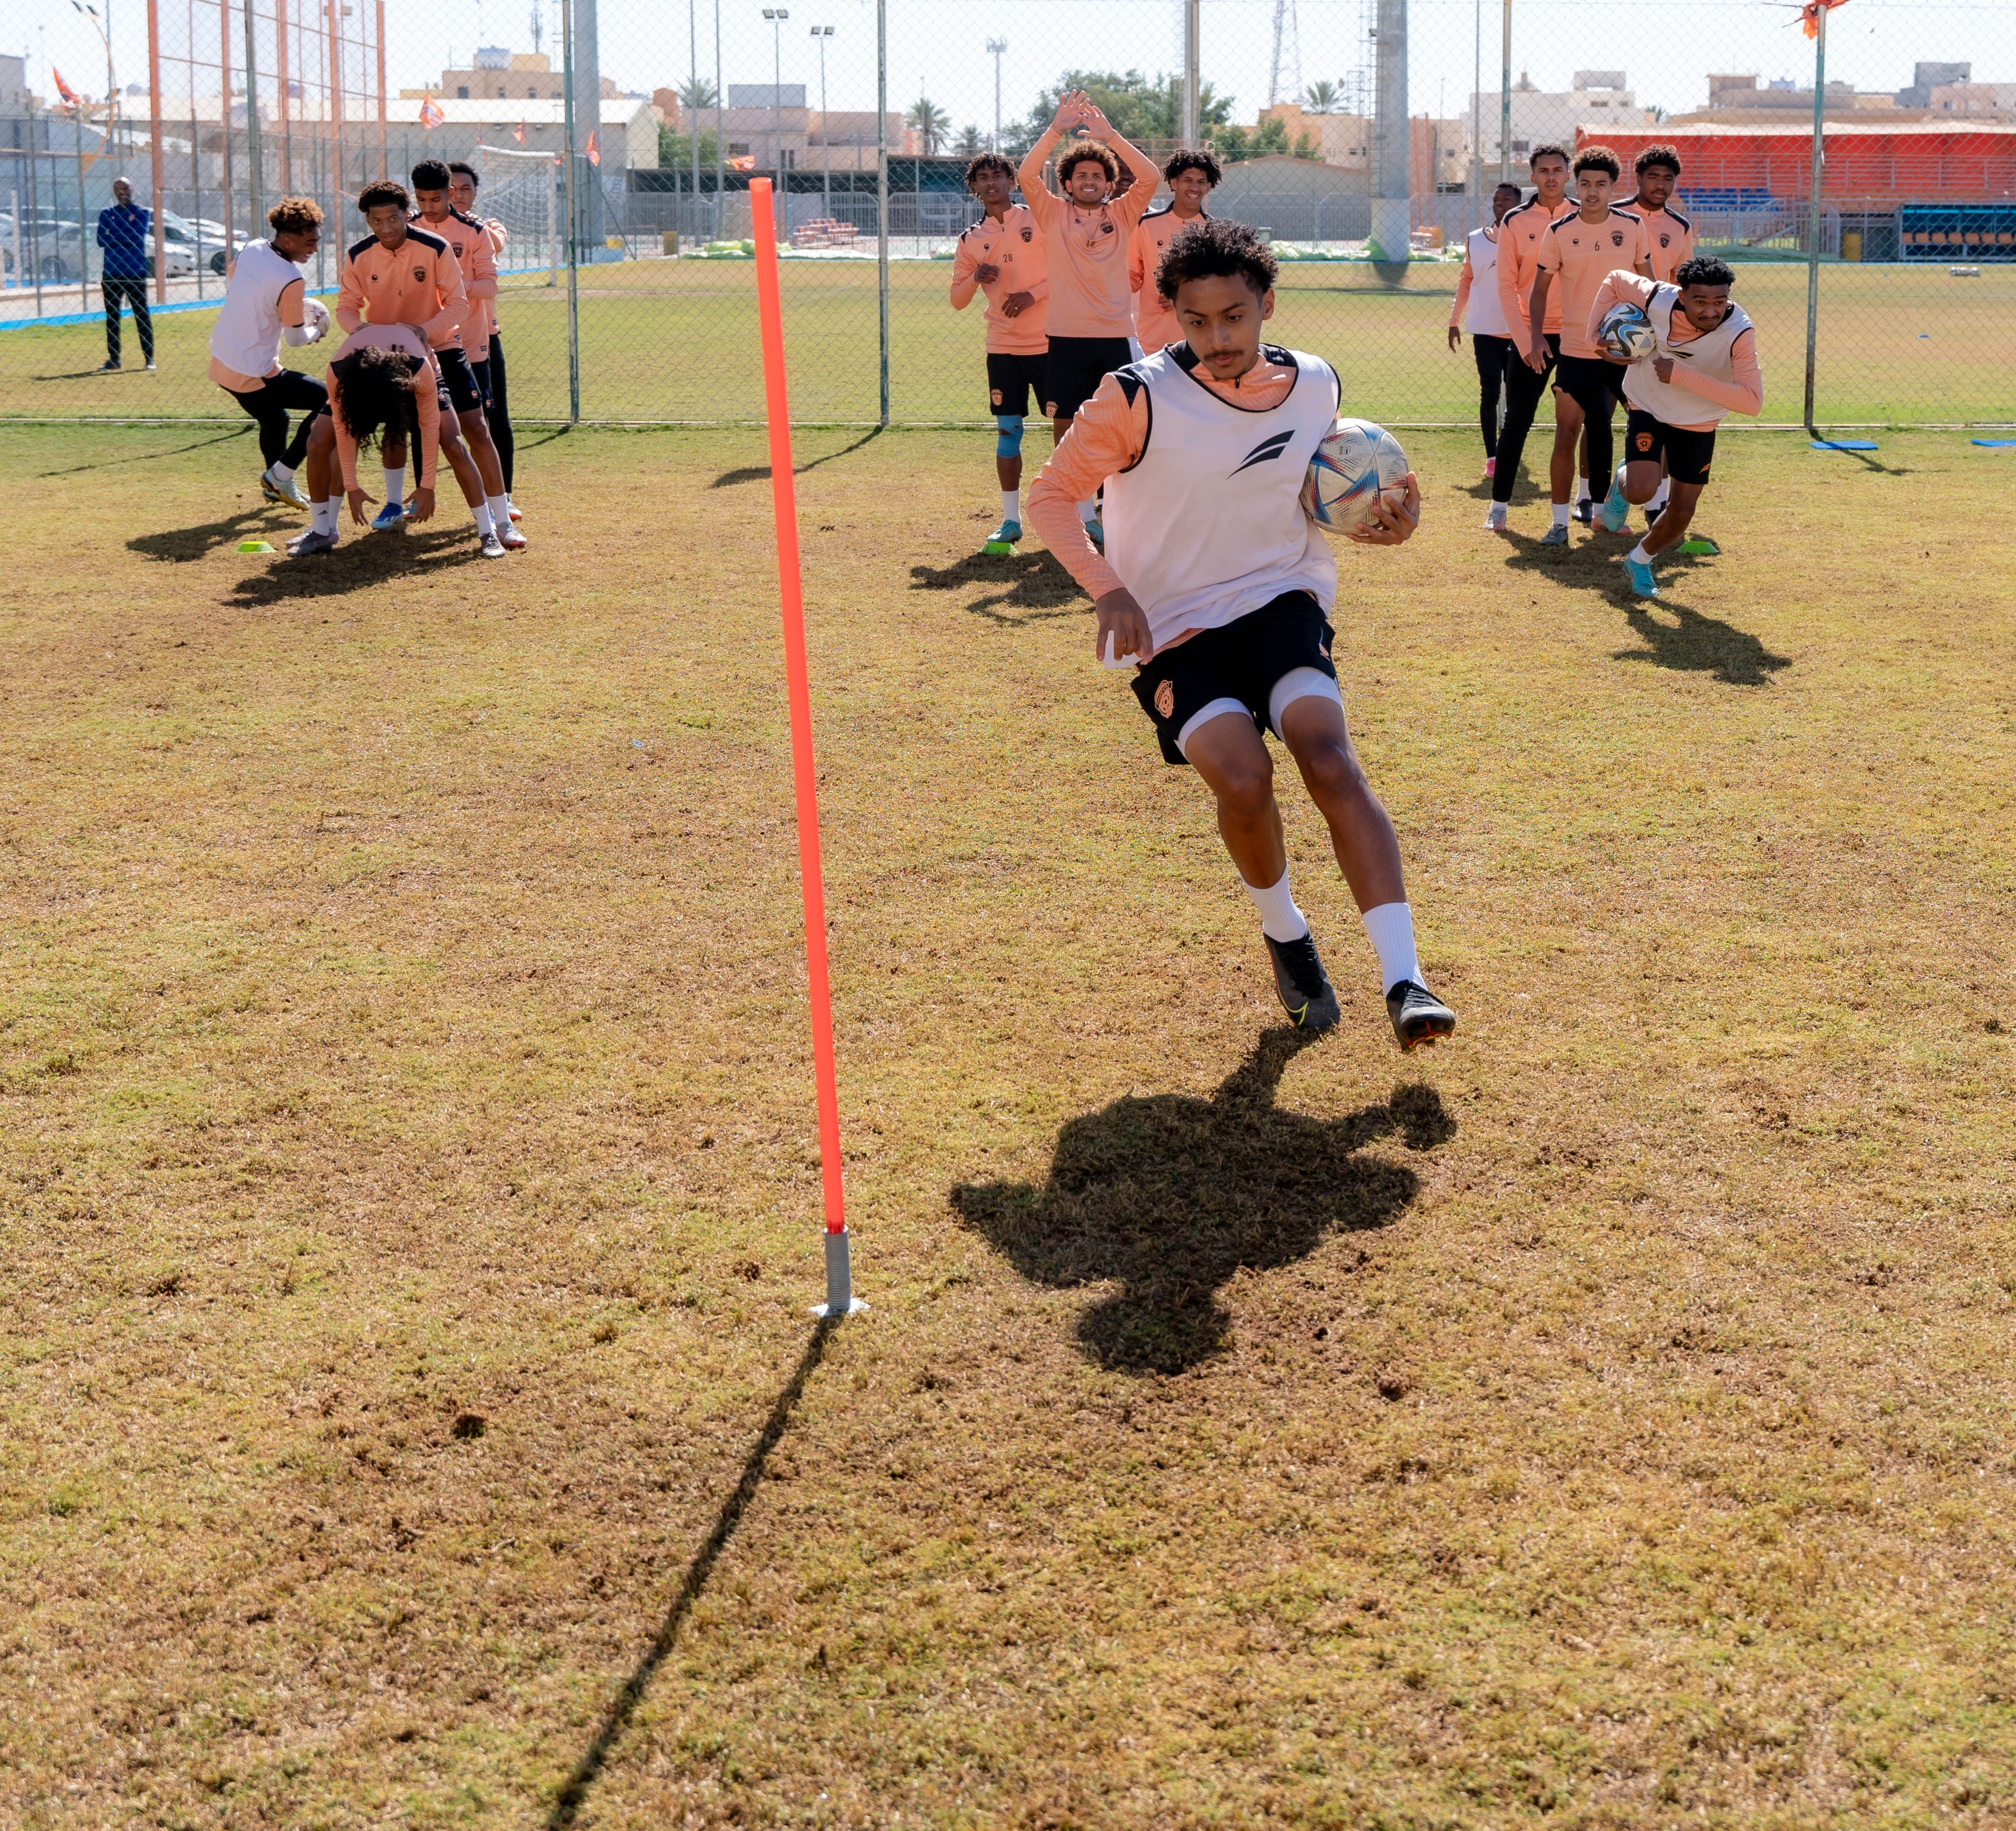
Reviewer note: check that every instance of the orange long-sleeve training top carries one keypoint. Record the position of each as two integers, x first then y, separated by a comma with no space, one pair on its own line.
1744,395
1519,237
419,282
1012,243
1109,433
469,241
1087,248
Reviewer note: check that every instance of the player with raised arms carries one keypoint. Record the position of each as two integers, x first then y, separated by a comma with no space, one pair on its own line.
1086,232
1477,303
1701,366
1576,253
1520,230
266,304
1219,584
485,344
1002,258
1192,173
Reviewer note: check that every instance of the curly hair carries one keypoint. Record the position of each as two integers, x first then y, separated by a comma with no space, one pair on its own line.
1704,270
1668,157
375,394
1216,248
430,175
987,162
294,216
381,191
1097,151
1194,159
1546,150
1597,159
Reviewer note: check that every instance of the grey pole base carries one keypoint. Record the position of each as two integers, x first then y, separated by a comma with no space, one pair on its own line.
840,1298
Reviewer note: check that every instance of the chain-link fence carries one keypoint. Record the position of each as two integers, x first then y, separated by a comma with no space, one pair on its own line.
1364,137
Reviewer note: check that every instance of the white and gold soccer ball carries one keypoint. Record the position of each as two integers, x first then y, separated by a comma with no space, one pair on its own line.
313,327
1626,334
1355,463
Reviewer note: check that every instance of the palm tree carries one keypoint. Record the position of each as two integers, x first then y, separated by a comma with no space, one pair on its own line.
696,92
930,123
972,142
1323,98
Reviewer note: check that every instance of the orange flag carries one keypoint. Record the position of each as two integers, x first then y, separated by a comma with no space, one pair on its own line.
1809,15
518,133
594,151
71,98
431,116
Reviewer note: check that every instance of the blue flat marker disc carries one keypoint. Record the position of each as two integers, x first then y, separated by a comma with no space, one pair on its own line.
1844,444
1996,444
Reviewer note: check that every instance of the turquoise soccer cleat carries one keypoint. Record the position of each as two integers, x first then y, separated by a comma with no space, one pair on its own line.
1003,539
1098,534
1614,516
1638,574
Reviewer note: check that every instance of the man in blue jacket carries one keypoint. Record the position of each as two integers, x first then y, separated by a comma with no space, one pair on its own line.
124,233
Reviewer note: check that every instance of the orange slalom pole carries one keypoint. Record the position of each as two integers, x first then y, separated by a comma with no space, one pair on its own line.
784,496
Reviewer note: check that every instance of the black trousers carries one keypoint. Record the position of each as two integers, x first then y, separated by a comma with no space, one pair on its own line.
1493,354
1596,387
269,405
113,289
497,410
1524,389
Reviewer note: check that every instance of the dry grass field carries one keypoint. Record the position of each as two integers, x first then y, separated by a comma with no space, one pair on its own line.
408,1198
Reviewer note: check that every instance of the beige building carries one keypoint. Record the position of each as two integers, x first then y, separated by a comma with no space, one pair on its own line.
1993,100
499,76
1540,117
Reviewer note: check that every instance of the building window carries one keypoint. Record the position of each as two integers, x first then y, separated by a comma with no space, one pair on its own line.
532,94
738,149
1521,148
462,94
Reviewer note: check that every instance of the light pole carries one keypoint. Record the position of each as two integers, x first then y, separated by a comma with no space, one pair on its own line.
823,33
776,16
996,47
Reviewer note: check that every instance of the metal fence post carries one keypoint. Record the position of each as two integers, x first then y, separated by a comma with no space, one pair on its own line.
1193,88
1813,212
255,164
882,191
1505,100
573,220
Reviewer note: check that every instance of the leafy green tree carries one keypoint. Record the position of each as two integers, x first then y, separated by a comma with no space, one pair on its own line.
1140,107
1323,98
930,123
1233,144
675,150
971,143
696,92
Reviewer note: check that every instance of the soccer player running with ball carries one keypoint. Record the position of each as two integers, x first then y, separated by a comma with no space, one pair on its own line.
1702,367
1220,585
1576,253
1002,258
1192,174
1477,303
1669,237
1085,234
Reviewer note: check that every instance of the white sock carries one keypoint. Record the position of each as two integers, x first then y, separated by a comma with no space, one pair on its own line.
281,474
485,523
1279,920
1088,511
1659,495
1011,505
321,517
1638,554
500,511
1582,491
395,486
1390,930
1562,517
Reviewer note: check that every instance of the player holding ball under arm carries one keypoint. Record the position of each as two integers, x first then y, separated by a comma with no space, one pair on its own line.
1215,580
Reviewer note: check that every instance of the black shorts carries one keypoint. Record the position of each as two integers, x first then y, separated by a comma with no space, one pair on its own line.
459,381
1592,383
1074,368
481,371
1241,660
1011,380
1686,455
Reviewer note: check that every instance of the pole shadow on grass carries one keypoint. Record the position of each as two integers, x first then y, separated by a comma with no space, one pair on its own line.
239,432
1033,587
573,1795
1170,1195
756,472
1695,644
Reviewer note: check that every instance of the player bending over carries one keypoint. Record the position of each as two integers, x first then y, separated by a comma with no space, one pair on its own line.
485,343
1219,584
1477,303
1703,368
1576,253
1520,233
1192,174
266,304
382,383
1001,255
1086,233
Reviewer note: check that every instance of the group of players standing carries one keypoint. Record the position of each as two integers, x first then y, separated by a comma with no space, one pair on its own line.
420,371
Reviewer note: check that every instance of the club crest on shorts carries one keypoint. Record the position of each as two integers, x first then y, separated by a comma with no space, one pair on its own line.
1050,407
1165,699
994,395
1644,441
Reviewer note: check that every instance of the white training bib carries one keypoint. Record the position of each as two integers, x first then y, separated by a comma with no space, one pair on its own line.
1712,354
1207,524
1484,311
246,335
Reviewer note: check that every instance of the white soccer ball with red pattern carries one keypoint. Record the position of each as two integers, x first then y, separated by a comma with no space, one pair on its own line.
1356,463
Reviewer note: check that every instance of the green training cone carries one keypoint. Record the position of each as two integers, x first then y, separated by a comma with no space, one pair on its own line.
255,546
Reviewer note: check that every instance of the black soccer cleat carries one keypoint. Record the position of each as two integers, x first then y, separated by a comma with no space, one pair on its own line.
1585,512
1304,987
1419,1016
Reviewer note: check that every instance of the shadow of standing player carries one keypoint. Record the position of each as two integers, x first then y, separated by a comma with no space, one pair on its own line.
1171,1195
1694,644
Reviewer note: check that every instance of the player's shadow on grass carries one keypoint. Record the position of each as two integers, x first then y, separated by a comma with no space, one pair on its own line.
1029,587
1170,1195
756,472
574,1793
194,543
153,456
1695,644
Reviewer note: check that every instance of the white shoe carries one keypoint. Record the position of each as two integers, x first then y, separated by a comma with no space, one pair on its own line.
509,538
490,547
517,514
1494,518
